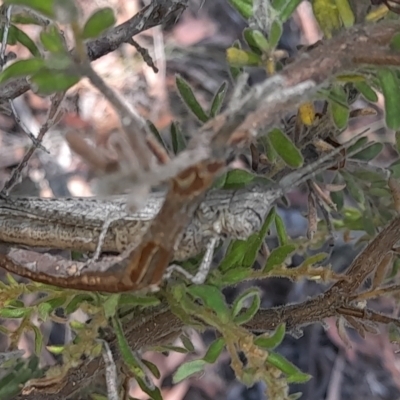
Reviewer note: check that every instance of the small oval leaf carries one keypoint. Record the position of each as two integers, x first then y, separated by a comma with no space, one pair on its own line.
25,40
44,7
278,256
293,373
390,89
369,153
367,91
214,351
285,148
188,369
177,138
51,81
338,106
52,40
242,58
271,341
250,311
14,312
218,100
189,99
281,230
213,298
244,8
98,22
22,68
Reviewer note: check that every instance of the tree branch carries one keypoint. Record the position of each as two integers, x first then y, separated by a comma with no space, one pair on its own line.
154,14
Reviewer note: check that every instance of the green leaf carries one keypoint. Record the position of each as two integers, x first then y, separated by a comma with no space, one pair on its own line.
256,40
236,179
76,302
136,300
218,100
353,188
275,33
278,256
26,19
152,368
213,298
281,230
235,71
52,40
38,337
188,369
11,39
395,169
397,136
395,42
390,89
51,81
338,199
153,392
96,396
22,68
270,152
187,343
360,143
47,307
14,303
110,305
370,176
380,192
369,153
189,99
242,58
285,148
271,341
13,381
14,312
130,359
11,280
314,259
101,20
299,377
25,40
255,241
235,275
242,253
214,351
178,140
345,12
250,311
244,7
58,63
286,8
156,134
234,255
44,7
367,91
293,373
338,106
56,349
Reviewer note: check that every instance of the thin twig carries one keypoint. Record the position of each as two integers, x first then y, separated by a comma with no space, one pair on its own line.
8,12
133,124
52,119
144,53
111,372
